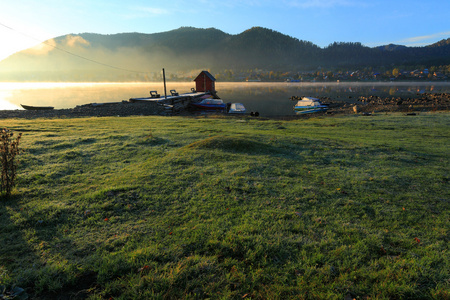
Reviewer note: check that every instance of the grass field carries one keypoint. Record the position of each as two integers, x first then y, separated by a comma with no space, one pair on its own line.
229,208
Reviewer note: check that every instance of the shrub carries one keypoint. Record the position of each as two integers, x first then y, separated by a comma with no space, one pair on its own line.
9,148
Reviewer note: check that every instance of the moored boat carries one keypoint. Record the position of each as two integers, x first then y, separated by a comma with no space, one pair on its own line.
309,105
210,104
237,108
29,107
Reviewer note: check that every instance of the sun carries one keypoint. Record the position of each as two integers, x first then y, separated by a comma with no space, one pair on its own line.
5,105
14,41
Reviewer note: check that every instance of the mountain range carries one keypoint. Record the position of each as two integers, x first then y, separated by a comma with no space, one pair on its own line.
133,56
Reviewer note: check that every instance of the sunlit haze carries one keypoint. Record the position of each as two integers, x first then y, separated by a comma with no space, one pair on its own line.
25,23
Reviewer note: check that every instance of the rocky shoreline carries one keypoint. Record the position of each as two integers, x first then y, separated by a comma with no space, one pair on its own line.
362,104
121,109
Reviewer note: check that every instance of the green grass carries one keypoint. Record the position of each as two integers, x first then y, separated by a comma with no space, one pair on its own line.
226,208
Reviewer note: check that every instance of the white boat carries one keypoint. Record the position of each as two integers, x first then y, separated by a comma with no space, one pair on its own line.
309,105
237,108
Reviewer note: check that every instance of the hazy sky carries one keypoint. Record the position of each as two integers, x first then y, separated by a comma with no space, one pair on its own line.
25,23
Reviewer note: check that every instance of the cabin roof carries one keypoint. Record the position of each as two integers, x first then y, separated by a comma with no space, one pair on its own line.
207,74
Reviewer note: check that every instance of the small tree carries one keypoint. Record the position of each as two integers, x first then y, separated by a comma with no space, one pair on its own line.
9,148
395,72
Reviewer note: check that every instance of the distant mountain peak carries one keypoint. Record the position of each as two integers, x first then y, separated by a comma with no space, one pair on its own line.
258,28
391,47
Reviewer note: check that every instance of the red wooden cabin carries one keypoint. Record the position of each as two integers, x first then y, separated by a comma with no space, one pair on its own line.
205,82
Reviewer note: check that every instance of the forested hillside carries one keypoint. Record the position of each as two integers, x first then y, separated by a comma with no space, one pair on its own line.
137,56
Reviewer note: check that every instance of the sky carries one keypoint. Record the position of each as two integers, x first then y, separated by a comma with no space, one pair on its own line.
26,23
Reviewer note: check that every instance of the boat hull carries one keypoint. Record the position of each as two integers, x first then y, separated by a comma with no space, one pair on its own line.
209,107
209,104
309,109
237,112
29,107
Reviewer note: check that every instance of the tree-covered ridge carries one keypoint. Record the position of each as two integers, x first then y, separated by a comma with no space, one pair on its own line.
90,56
441,43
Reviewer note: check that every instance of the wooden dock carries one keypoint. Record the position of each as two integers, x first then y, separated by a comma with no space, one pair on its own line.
174,102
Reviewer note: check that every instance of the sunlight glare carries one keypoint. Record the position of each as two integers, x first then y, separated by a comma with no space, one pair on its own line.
20,37
5,105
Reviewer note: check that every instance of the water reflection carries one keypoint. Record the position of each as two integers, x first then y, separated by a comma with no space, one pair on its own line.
266,98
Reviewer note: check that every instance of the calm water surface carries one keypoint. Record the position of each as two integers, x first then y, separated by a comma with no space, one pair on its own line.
269,99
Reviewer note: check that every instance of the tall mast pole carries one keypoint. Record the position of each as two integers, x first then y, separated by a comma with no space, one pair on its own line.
164,78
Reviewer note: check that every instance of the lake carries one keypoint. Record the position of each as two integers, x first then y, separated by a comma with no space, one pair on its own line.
269,99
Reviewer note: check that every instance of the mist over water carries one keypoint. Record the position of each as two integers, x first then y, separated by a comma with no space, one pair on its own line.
269,99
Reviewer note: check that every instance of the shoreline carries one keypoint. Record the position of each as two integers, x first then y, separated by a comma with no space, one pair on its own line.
361,104
122,109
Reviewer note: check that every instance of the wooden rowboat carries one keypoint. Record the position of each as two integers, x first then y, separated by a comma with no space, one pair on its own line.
29,107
